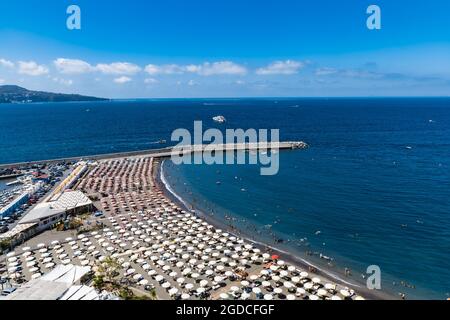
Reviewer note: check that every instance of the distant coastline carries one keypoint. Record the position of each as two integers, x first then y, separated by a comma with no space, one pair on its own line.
17,95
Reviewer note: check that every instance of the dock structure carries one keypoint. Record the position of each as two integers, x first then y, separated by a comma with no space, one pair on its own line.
169,151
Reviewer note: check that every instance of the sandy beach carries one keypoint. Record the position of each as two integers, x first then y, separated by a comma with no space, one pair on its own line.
183,254
159,179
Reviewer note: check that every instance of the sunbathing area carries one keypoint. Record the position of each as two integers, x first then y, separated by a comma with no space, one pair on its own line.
157,243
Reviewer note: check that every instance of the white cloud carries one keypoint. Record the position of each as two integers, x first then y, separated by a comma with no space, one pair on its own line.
150,81
72,66
325,71
6,63
205,69
2,81
153,69
118,68
191,83
281,67
217,68
31,68
122,80
66,82
76,66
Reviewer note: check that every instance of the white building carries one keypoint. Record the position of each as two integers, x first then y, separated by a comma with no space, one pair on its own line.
58,284
46,214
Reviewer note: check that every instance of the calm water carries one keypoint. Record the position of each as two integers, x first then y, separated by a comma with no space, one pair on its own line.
375,181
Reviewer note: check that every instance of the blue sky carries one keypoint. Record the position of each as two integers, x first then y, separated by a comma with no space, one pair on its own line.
218,48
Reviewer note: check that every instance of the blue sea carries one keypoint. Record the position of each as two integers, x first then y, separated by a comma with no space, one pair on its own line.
373,188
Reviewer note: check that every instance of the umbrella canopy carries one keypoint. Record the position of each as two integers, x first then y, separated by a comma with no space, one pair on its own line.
268,297
173,291
256,290
200,290
185,296
180,280
224,296
344,293
189,286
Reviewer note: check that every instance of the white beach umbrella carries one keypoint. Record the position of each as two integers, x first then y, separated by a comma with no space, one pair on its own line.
268,297
322,292
290,297
344,293
308,285
234,288
200,290
185,296
313,297
138,277
330,286
180,280
256,290
301,291
315,280
173,291
224,296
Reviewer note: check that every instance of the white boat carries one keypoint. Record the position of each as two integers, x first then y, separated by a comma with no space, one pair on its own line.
13,183
219,119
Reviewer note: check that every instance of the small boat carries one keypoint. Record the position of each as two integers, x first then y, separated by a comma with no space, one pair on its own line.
162,141
219,119
13,183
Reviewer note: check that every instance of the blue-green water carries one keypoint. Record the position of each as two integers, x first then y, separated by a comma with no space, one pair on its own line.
375,181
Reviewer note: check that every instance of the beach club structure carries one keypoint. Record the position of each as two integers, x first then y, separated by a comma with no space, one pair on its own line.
62,283
156,243
47,214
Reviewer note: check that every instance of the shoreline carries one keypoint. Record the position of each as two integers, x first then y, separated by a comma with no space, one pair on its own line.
160,180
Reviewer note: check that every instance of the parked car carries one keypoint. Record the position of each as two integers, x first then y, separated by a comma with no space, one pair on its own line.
4,229
8,291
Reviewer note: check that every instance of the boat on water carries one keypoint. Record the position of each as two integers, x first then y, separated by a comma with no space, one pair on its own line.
219,119
13,183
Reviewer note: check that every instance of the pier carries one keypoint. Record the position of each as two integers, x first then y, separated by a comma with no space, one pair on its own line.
169,151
